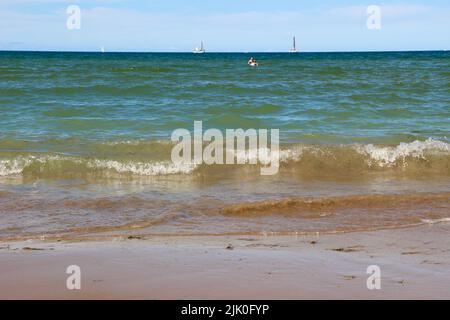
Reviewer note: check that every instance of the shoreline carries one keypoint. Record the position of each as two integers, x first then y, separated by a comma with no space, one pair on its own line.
414,264
102,219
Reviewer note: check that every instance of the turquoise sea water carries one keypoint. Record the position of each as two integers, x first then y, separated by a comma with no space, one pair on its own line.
310,97
93,126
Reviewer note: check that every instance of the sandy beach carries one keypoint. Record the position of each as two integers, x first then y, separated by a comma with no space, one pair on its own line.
414,264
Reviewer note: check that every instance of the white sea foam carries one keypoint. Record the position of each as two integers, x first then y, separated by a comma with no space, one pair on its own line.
15,166
264,155
435,221
142,168
388,156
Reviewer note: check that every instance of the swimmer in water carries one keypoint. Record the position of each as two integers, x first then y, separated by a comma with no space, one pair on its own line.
252,62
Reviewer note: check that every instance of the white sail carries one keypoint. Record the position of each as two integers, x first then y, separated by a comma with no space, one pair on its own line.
200,50
294,47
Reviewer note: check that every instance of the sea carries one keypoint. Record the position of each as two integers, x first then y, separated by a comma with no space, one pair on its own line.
85,143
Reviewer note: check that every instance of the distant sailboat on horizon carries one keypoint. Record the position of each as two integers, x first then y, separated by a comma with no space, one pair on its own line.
200,50
294,47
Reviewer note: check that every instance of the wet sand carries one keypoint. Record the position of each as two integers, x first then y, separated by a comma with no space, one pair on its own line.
414,262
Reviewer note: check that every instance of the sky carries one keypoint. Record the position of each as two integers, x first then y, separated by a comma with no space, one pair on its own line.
224,25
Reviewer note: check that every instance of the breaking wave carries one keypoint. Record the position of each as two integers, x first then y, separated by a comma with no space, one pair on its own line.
55,165
388,156
131,158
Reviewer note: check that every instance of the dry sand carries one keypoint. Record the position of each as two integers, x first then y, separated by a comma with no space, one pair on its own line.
415,264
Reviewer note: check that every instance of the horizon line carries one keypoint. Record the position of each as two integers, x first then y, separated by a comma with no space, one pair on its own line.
206,52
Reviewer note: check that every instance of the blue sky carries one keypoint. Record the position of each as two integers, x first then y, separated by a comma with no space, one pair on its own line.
224,25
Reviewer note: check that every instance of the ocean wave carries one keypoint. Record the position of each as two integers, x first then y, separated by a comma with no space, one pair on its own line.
60,165
388,156
152,158
14,166
140,168
327,206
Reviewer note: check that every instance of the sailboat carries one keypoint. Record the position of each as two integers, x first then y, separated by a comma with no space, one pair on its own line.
199,50
294,47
